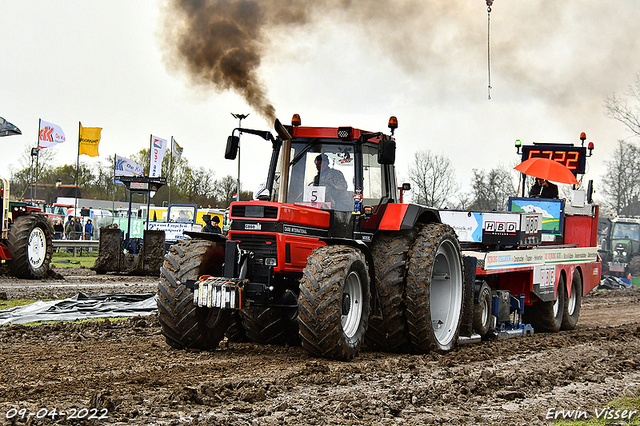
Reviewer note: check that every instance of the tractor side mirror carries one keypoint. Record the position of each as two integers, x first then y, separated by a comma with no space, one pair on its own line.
231,150
386,151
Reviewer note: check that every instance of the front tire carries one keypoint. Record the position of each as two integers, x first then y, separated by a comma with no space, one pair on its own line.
435,289
31,246
183,324
333,304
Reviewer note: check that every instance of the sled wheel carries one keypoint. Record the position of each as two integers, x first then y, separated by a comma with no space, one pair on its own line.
183,324
333,304
389,332
31,246
572,303
435,291
482,311
547,316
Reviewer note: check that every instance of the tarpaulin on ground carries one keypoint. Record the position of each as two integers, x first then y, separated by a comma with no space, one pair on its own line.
82,306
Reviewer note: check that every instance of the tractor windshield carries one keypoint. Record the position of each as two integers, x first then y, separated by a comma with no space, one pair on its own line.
322,175
627,231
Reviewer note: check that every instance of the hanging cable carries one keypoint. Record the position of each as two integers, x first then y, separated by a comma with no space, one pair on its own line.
489,4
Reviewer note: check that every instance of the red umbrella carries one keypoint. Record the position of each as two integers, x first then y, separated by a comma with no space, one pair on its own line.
547,169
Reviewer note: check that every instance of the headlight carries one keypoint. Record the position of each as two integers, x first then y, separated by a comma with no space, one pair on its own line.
270,261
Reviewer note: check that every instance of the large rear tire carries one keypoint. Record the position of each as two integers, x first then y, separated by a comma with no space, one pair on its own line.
390,253
548,316
572,303
333,304
634,266
31,246
183,324
435,289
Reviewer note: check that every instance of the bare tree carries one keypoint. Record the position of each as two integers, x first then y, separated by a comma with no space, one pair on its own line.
621,183
491,190
433,179
618,107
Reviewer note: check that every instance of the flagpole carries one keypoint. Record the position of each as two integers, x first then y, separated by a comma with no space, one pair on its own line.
170,173
37,147
75,192
113,202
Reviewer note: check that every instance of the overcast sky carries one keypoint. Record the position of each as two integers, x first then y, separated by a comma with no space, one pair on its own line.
110,64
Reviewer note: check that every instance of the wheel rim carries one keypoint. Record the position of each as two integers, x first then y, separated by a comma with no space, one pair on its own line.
486,311
571,303
352,304
446,293
36,247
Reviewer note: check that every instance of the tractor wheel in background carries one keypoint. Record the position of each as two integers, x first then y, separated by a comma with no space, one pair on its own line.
236,332
269,326
482,311
435,289
390,253
183,324
572,303
634,266
30,245
333,304
547,316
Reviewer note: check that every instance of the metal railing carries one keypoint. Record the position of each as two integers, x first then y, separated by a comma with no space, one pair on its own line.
76,244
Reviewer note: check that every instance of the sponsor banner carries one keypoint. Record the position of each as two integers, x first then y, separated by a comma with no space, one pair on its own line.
158,149
50,135
540,256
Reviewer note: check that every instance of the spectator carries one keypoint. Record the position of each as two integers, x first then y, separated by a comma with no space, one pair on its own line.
543,189
58,230
78,229
211,227
70,230
88,230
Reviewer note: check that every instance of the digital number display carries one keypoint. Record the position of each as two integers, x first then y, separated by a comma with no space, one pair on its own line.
572,157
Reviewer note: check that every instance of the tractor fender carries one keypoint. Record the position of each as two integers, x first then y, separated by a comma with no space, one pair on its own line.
398,217
216,238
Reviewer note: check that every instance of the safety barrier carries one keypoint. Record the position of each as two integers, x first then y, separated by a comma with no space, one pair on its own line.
76,244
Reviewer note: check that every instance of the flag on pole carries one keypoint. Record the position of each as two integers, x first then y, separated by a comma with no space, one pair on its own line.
88,141
176,150
126,167
8,129
50,135
158,149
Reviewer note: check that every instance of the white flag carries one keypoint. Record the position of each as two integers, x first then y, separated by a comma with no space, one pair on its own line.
127,167
176,150
50,135
158,149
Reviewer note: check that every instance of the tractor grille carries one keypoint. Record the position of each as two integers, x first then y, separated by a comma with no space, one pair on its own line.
266,212
261,245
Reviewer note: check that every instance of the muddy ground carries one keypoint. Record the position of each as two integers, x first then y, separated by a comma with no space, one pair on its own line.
125,372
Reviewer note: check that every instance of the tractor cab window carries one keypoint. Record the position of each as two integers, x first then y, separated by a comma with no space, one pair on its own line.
627,231
372,182
322,175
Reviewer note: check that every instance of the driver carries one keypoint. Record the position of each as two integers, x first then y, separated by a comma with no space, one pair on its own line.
333,180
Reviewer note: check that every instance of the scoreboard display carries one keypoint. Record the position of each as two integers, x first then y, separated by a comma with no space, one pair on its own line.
573,158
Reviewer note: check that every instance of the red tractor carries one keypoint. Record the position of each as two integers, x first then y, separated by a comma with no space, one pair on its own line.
26,243
326,257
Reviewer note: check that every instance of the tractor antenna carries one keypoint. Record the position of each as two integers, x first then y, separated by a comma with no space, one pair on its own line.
489,4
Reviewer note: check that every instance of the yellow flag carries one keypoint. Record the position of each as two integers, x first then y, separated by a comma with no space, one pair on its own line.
89,140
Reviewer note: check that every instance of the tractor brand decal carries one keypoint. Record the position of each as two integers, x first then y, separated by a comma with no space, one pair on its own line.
294,230
252,226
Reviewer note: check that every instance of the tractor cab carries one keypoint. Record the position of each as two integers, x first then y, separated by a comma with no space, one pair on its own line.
344,170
